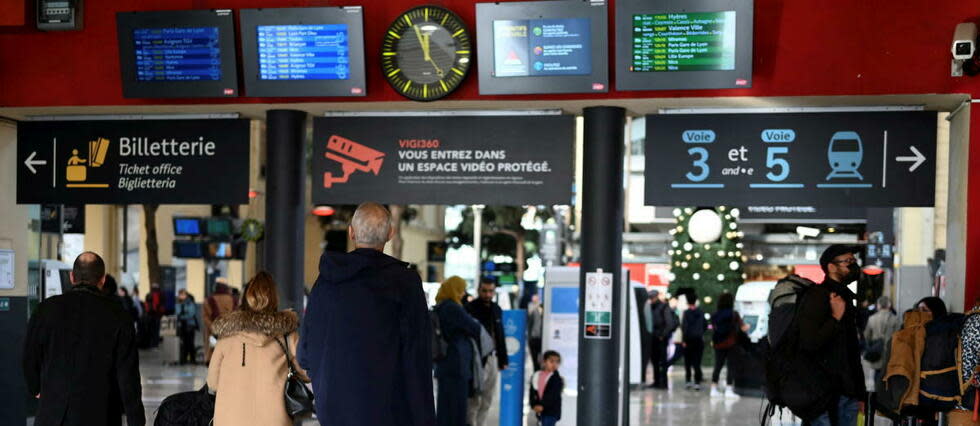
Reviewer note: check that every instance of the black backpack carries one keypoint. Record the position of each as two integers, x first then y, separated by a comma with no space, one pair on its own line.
939,387
194,408
793,380
439,344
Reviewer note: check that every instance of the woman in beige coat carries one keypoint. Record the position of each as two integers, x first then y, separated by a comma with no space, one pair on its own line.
248,369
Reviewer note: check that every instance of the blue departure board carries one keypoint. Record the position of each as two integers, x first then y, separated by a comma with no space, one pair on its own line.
303,52
177,54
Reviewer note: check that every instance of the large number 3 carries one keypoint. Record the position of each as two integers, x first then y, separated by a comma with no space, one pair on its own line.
701,163
772,161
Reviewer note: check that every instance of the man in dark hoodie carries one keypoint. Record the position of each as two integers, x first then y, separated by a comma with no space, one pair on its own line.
829,335
365,340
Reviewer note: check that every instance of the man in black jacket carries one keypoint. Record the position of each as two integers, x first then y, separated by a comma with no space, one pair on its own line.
488,313
81,349
829,335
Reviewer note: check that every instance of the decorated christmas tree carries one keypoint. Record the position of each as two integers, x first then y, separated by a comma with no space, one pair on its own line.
706,253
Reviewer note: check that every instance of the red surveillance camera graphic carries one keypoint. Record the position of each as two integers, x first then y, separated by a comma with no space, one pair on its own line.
353,157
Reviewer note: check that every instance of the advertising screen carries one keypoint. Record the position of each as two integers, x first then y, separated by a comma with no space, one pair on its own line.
303,52
542,47
684,41
555,46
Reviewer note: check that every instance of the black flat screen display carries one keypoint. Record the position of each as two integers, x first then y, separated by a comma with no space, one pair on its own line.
542,47
315,51
177,54
679,44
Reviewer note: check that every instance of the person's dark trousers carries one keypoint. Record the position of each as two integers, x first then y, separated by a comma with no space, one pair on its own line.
693,353
548,421
187,350
721,356
451,402
534,344
154,331
660,363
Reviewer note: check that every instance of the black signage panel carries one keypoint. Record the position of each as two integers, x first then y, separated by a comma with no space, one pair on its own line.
72,222
133,162
854,159
508,160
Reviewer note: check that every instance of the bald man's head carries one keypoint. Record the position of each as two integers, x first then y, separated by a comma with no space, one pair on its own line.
88,269
371,226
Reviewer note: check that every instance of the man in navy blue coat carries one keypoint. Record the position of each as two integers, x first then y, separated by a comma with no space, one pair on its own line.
366,339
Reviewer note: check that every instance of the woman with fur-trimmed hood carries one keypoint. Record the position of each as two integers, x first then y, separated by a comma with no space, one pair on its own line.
248,369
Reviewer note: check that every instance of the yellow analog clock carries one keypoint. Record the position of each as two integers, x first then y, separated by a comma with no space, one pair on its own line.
426,53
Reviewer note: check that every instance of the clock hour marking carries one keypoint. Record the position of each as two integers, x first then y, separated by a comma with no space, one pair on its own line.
408,20
462,52
390,53
394,34
443,84
425,90
393,72
407,84
457,71
458,32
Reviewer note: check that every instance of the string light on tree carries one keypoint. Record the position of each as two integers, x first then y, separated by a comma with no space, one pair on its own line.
709,263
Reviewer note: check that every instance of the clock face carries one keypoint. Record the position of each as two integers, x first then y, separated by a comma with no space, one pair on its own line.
426,53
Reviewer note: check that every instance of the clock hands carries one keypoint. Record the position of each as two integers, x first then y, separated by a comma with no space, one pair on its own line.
424,42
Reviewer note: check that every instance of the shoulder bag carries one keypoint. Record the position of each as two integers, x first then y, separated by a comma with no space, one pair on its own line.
298,397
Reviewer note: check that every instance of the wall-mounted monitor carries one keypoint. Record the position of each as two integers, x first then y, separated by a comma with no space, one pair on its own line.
220,250
188,226
218,227
186,249
177,54
314,51
556,46
682,44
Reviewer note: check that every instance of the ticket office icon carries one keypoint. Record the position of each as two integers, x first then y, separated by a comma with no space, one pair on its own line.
77,170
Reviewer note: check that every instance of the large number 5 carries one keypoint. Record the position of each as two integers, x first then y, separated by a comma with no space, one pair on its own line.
772,161
700,163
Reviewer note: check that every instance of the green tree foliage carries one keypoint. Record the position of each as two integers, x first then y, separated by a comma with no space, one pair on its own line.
709,269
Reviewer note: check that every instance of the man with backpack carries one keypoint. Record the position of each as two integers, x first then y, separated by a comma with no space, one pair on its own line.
828,336
665,322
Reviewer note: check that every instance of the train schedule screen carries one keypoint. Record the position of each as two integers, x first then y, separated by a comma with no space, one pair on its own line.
177,54
303,52
697,41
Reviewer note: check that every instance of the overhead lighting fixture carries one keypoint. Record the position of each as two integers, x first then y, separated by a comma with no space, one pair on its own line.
323,211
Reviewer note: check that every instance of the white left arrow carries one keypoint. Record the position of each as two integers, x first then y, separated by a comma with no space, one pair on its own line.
916,161
30,162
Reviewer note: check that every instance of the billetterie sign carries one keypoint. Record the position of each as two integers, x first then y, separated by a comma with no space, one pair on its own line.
510,160
133,162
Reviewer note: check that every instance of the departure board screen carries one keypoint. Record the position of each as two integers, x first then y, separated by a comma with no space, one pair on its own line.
542,47
177,54
701,41
303,52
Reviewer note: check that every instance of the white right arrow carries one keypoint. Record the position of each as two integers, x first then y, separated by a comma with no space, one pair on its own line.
30,162
916,161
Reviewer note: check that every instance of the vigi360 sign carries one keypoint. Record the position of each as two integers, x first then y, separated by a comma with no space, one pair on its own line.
140,161
863,159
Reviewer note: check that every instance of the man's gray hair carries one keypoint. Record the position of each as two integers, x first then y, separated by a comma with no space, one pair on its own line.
884,302
371,223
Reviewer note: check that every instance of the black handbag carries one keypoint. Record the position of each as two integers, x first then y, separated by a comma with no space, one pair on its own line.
298,398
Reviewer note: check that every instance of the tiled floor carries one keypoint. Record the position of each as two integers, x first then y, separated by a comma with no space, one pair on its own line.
647,407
